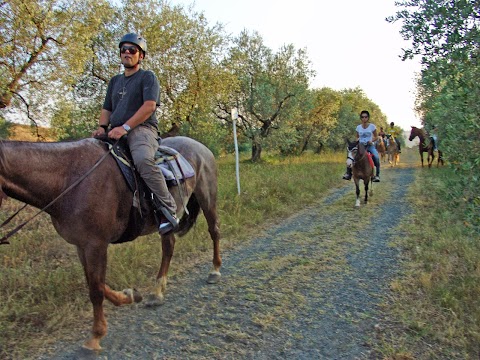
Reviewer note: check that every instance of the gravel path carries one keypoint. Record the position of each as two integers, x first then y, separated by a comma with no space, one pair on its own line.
309,288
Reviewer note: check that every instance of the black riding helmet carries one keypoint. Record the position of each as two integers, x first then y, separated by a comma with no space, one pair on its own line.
134,39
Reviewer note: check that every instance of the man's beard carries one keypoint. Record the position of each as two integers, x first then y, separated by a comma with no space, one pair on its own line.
131,66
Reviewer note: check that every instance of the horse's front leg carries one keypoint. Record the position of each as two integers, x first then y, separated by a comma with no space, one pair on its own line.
440,158
94,261
366,182
157,295
357,192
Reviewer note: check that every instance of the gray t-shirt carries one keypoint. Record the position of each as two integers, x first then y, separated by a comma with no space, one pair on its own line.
125,95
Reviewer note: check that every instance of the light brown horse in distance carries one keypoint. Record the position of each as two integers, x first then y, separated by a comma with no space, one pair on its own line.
393,154
381,148
90,204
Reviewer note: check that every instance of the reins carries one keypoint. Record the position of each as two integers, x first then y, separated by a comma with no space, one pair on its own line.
3,240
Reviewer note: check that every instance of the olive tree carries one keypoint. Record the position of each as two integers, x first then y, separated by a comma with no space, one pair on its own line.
44,46
268,87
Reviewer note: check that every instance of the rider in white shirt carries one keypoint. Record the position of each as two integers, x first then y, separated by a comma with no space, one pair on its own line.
367,135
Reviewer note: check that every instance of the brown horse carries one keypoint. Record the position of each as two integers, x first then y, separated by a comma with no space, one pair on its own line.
423,147
381,148
96,210
362,169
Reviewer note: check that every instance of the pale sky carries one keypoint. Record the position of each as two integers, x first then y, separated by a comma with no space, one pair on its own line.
348,42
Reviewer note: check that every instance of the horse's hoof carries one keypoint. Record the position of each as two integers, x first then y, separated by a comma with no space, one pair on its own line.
153,301
90,346
134,295
213,278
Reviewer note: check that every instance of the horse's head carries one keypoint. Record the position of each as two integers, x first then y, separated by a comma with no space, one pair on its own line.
413,133
352,149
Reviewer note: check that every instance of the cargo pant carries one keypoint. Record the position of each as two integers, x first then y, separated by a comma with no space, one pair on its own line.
143,143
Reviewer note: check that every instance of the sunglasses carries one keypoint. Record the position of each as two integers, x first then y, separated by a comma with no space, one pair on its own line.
131,49
364,117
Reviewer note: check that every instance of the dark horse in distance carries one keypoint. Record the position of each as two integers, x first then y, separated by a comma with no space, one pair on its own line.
362,168
424,147
96,210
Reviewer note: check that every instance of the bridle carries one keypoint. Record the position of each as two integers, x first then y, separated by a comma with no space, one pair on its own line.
354,159
350,151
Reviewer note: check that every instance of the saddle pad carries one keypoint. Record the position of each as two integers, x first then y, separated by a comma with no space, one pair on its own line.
370,160
173,165
175,168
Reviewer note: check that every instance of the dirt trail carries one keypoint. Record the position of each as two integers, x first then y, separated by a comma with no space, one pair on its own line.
310,288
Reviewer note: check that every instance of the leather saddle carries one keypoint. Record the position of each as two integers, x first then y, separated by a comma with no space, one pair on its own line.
175,168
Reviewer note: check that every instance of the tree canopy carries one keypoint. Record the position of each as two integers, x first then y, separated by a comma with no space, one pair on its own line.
446,37
58,57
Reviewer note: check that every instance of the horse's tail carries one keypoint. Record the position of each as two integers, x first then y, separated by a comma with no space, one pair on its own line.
188,220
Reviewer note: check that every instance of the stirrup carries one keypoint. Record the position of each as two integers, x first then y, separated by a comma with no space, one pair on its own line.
169,225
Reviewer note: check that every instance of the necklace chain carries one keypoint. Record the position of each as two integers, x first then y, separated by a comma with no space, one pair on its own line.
125,81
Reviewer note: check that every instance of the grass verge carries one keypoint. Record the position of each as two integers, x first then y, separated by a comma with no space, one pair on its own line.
436,310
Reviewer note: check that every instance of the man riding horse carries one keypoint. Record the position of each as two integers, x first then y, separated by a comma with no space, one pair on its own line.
129,108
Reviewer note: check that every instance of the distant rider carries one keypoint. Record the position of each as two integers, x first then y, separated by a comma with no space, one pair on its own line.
393,133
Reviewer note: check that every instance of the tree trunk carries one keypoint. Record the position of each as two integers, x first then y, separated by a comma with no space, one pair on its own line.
319,148
304,146
306,141
256,150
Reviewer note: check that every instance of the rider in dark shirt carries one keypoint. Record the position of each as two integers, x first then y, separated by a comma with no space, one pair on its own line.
129,108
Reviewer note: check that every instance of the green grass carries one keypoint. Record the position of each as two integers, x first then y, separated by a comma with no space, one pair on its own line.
437,307
43,287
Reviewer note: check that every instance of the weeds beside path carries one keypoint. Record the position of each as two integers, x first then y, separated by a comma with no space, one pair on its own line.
309,288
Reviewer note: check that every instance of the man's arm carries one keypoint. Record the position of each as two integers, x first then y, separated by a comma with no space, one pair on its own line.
138,118
103,123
